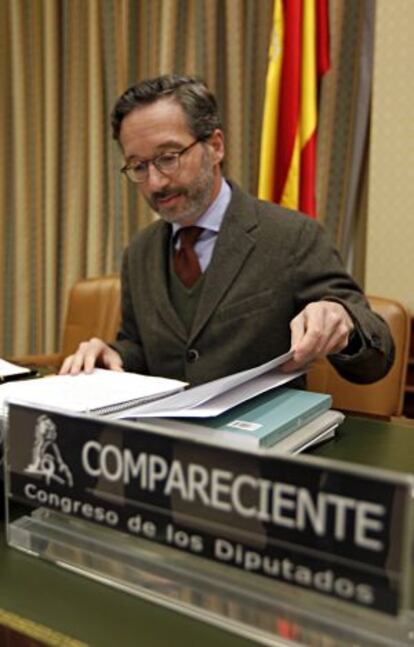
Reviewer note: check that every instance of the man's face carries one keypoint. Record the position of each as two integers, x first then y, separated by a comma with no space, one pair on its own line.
159,128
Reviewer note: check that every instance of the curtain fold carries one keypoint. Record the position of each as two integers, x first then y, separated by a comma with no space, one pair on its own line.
344,127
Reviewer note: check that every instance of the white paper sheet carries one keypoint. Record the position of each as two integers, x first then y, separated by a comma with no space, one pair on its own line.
101,389
215,397
8,369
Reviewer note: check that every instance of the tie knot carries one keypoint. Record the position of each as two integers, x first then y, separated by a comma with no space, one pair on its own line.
189,235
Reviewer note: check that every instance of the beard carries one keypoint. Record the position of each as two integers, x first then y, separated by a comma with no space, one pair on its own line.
196,197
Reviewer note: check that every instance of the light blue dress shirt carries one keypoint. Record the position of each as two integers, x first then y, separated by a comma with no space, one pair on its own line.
211,222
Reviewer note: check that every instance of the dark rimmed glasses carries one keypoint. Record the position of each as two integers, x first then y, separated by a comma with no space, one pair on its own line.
168,164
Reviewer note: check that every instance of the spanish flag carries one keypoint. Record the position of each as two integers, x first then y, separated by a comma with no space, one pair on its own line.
298,57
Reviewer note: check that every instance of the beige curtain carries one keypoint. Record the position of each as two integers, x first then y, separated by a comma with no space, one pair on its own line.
65,211
344,129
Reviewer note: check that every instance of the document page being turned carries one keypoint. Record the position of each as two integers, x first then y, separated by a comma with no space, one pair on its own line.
217,396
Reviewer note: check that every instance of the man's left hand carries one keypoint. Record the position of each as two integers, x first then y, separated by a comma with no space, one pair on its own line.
321,328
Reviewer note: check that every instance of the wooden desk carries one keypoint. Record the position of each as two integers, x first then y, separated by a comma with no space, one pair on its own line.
104,617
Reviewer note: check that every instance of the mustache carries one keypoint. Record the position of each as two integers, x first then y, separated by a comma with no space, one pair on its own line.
166,193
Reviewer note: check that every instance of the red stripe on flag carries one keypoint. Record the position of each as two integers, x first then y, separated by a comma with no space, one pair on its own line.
322,37
289,92
307,199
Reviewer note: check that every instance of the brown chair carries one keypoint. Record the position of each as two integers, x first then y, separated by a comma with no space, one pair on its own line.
383,398
93,311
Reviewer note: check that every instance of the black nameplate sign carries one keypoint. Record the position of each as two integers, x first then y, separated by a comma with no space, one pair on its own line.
288,519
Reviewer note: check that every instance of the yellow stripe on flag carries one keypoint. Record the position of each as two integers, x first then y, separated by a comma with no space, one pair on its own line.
308,114
271,107
290,195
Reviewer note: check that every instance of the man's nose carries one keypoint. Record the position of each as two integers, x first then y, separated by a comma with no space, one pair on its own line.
156,180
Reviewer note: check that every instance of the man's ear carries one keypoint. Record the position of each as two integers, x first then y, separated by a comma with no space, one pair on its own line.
216,142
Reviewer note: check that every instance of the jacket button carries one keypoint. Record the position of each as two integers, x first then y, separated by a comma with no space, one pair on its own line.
192,355
376,341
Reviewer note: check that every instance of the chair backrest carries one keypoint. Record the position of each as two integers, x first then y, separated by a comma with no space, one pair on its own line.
384,397
94,310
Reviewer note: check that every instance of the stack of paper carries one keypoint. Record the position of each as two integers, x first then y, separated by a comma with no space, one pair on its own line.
100,392
245,409
284,418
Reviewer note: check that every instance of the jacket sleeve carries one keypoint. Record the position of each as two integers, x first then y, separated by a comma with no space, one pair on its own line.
320,275
128,340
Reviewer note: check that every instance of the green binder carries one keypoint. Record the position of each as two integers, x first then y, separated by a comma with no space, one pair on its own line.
261,421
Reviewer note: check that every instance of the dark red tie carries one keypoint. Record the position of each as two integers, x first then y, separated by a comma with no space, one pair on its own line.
186,265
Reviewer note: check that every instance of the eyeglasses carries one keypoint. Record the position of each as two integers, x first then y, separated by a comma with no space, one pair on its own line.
167,164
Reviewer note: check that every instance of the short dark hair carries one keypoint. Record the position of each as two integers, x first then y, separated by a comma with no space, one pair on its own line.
190,92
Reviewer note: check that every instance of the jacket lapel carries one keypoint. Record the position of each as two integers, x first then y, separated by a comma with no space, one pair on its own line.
235,242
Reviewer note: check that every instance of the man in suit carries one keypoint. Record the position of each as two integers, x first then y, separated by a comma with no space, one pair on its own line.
255,281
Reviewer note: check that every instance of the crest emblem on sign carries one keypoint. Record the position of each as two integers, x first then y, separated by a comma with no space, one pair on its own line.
47,460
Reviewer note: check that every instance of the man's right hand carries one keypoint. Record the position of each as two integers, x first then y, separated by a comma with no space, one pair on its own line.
90,354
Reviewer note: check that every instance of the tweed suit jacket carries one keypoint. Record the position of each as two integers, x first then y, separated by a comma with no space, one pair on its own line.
268,263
